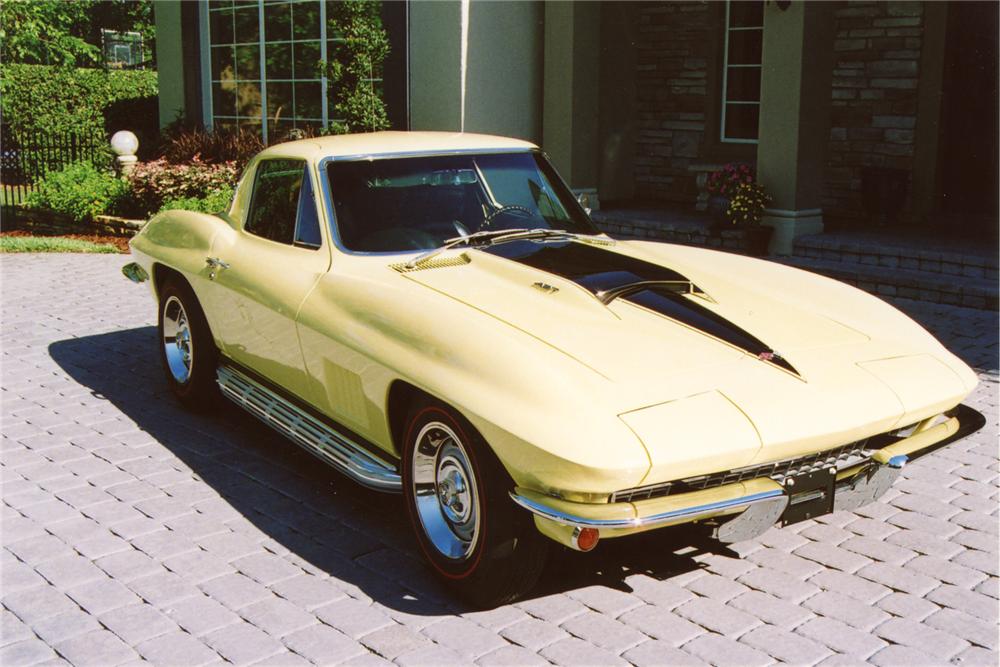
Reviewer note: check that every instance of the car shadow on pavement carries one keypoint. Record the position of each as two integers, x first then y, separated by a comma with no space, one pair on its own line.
326,522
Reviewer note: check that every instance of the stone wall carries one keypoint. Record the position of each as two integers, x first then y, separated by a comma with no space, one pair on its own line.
44,222
672,57
874,98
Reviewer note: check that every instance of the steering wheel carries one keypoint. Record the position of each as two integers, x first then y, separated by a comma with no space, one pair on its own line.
509,208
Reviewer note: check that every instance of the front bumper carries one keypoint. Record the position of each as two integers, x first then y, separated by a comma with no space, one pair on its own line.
744,509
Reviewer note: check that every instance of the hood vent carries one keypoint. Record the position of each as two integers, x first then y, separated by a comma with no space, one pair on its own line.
435,263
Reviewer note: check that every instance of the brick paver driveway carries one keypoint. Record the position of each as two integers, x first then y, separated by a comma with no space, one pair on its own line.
133,529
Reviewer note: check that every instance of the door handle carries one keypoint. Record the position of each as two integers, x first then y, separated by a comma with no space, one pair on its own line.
215,264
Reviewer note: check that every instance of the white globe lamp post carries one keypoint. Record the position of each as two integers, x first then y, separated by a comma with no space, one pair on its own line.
125,144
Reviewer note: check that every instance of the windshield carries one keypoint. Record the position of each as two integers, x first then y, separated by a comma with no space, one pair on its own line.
417,203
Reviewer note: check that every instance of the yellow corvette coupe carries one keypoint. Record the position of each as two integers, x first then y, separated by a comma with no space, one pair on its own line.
435,314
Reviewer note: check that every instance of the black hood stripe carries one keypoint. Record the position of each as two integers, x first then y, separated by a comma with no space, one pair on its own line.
599,270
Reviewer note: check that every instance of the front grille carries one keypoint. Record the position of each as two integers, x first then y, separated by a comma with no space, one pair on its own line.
841,457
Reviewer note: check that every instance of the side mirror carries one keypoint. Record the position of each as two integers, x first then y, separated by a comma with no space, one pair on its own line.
584,200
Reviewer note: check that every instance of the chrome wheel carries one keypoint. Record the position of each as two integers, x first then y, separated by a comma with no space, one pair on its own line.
444,489
177,345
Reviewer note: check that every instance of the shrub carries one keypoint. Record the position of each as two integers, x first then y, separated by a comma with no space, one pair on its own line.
79,190
154,183
214,202
183,144
41,99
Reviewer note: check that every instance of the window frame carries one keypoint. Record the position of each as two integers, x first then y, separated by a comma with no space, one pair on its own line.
307,173
723,100
265,122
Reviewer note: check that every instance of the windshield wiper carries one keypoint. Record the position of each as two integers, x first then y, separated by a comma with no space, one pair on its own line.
497,236
541,233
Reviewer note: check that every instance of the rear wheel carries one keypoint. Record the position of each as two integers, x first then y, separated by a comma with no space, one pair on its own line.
467,526
187,351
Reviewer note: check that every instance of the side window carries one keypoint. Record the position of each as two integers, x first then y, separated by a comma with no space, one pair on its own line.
307,230
282,207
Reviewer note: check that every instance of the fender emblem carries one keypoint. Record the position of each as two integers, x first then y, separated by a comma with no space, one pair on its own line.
545,287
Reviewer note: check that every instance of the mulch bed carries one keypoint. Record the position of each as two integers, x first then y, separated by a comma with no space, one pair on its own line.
118,242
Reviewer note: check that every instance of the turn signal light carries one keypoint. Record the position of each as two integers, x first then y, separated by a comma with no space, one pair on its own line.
585,539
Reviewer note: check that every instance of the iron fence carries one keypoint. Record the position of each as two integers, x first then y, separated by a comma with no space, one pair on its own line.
25,158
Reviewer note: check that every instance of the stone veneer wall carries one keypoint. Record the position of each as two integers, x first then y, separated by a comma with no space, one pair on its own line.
874,98
672,58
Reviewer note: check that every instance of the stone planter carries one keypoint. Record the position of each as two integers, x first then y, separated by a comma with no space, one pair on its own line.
757,240
718,211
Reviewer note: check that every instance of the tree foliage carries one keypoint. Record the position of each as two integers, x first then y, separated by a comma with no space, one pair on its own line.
67,32
45,32
355,69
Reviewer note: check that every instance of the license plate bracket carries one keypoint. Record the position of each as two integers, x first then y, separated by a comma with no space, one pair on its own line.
810,495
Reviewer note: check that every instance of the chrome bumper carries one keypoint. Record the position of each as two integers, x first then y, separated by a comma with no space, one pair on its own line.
758,503
681,515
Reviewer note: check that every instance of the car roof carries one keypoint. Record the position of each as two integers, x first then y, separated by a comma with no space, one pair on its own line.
387,143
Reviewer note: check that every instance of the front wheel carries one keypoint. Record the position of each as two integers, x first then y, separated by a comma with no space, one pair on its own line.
187,351
465,523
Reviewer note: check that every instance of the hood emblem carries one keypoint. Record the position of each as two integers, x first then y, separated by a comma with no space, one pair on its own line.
545,287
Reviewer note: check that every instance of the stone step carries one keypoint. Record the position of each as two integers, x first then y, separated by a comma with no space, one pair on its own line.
940,257
936,287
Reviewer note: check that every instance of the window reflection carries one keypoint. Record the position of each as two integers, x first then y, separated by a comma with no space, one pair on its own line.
289,75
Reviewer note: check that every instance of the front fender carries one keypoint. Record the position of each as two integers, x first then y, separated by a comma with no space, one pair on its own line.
544,414
182,241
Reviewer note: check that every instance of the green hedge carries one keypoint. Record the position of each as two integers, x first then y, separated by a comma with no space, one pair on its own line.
40,98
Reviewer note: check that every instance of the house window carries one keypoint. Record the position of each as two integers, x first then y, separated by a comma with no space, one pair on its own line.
262,64
744,38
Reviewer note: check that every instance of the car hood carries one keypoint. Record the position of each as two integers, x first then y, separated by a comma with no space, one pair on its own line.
553,291
771,373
